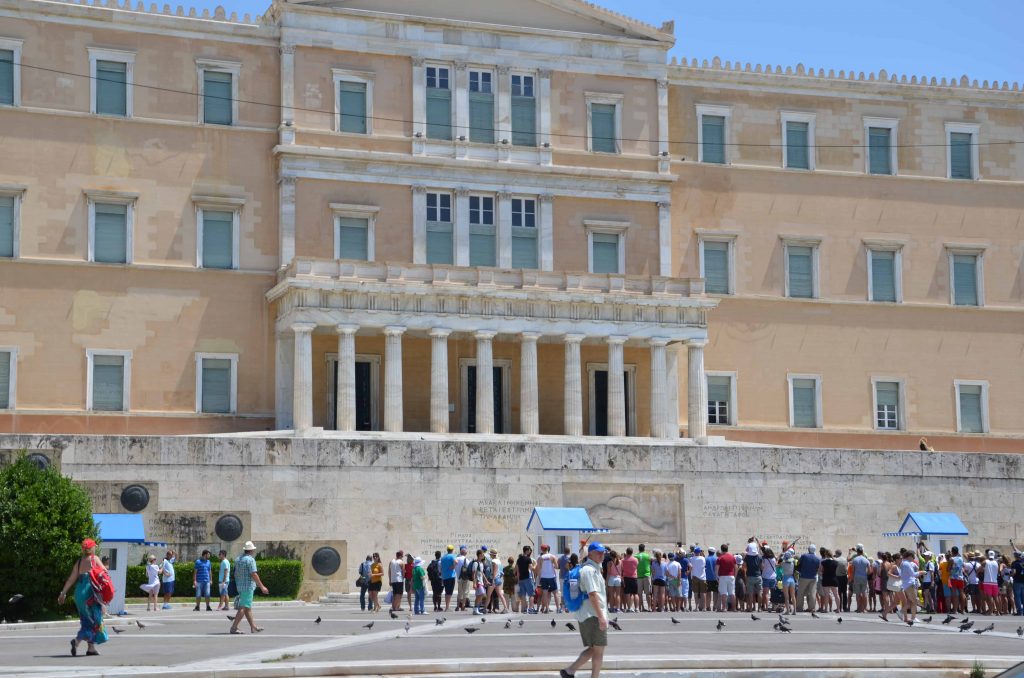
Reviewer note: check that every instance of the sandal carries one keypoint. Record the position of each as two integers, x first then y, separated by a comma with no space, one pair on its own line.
74,649
257,629
235,632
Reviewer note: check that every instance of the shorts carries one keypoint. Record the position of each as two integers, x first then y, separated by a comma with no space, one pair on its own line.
374,586
684,588
167,588
727,586
768,584
712,585
202,589
753,585
222,589
449,586
660,583
591,633
926,586
956,584
789,582
860,587
396,588
481,590
644,583
526,588
989,589
972,589
911,590
629,586
245,599
549,584
614,582
699,586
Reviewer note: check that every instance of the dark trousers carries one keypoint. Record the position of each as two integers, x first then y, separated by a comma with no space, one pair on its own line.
437,588
362,597
844,594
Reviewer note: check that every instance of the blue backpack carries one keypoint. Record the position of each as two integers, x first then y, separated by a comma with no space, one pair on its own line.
572,596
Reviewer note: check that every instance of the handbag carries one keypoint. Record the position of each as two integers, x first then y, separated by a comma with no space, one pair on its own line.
361,582
389,597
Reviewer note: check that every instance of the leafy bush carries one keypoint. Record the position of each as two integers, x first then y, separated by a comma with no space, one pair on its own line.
282,577
43,519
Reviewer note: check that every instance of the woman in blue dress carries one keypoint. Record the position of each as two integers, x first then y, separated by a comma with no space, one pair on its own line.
90,610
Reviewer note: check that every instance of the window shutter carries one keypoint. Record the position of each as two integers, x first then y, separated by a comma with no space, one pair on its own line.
960,155
7,77
481,117
719,389
524,121
216,385
108,383
218,239
805,406
602,128
801,271
353,238
5,379
887,393
524,247
6,226
965,279
879,150
112,88
110,234
716,267
481,246
217,98
439,244
713,138
883,276
606,253
970,409
439,113
797,151
352,104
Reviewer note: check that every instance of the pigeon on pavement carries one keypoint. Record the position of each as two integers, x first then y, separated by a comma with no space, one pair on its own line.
508,624
407,625
116,630
521,622
230,617
814,616
472,629
720,625
987,628
839,621
569,626
138,622
368,626
1020,631
782,627
318,620
966,626
439,621
553,624
674,620
615,625
948,619
910,622
755,618
926,620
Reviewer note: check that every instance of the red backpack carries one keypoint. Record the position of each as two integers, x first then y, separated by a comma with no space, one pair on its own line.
102,584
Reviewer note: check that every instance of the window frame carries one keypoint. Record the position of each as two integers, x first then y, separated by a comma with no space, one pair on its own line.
113,198
803,241
798,116
126,374
957,383
12,378
340,75
617,228
871,246
15,46
127,57
734,408
901,407
535,95
452,90
978,252
16,192
452,221
891,124
340,211
730,240
717,110
218,204
233,357
974,129
818,410
535,229
610,99
218,66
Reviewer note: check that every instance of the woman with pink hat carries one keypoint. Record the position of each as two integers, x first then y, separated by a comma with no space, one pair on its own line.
90,609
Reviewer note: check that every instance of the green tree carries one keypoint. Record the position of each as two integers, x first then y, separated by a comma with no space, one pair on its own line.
43,519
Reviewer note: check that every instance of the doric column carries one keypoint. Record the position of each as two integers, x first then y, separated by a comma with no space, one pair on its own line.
616,387
286,217
287,128
658,386
573,386
529,418
484,382
393,419
461,227
345,397
665,238
547,232
697,392
672,391
302,403
439,379
504,239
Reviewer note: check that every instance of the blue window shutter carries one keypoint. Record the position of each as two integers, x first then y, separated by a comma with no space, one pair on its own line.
970,409
797,151
880,150
960,155
439,113
716,267
965,280
110,234
606,253
218,239
524,121
112,88
216,385
5,379
108,383
524,247
352,105
439,244
713,138
6,77
6,226
353,238
801,271
805,405
481,117
602,128
217,98
883,276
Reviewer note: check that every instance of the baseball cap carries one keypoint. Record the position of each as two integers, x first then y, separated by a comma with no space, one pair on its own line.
596,546
484,548
752,549
860,547
711,549
696,549
88,544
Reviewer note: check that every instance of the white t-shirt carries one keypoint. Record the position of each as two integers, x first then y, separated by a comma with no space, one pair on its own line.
460,562
699,569
548,562
167,568
929,571
395,571
673,569
591,581
152,574
971,570
991,571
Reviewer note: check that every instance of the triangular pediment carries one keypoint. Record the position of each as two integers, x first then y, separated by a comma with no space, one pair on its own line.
573,16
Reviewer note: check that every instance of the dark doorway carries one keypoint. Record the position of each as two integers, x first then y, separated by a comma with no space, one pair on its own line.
601,402
364,396
499,410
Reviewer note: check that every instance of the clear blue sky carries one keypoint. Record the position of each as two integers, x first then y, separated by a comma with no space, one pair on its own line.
941,38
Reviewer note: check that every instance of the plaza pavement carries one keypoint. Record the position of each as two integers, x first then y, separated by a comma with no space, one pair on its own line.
185,643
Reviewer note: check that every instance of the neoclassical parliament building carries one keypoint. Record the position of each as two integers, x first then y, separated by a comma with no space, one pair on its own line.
515,217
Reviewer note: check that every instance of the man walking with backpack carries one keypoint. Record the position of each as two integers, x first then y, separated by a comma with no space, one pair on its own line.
591,610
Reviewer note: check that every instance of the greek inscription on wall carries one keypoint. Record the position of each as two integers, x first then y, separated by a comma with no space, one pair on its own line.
509,510
731,510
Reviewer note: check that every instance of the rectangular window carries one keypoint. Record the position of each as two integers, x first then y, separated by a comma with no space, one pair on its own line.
7,358
880,150
887,406
109,382
716,267
353,238
218,239
482,250
965,280
602,128
604,253
216,384
804,402
110,233
352,107
883,275
481,107
800,273
524,111
720,400
712,144
971,405
7,88
111,88
961,154
8,204
218,89
440,245
797,145
439,103
524,233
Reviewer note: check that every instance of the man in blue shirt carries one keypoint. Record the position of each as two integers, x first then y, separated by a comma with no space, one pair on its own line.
807,567
1017,568
448,575
201,580
711,597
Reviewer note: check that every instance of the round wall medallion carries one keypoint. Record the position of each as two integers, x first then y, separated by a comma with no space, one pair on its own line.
135,498
228,528
41,461
326,561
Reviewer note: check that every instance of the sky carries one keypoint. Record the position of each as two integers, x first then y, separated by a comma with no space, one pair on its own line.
942,38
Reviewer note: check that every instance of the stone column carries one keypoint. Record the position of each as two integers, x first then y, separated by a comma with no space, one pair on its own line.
484,382
284,380
286,219
503,240
529,415
573,388
287,129
665,238
616,387
460,227
419,105
544,119
345,395
503,91
664,161
419,224
672,389
658,387
546,234
393,419
302,393
697,392
439,380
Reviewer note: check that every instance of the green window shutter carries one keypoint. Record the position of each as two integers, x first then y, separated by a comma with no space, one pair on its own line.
713,138
110,233
352,105
5,379
218,239
481,117
719,389
606,253
805,405
216,385
801,271
524,121
602,128
353,238
970,409
879,150
797,139
481,246
524,247
960,155
439,244
108,383
716,267
883,276
217,98
6,226
6,77
439,113
112,88
965,280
